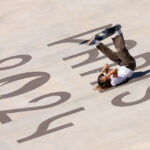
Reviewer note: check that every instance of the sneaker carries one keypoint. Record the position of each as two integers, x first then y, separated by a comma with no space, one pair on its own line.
104,34
117,27
93,40
112,30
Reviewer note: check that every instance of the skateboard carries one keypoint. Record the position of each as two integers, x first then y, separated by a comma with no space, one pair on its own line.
102,35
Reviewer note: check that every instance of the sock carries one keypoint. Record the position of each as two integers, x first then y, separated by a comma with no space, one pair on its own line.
119,32
97,42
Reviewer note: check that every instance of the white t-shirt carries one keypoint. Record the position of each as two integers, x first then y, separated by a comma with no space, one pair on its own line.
123,74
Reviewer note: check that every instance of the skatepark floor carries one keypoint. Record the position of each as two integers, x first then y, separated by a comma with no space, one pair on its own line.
47,78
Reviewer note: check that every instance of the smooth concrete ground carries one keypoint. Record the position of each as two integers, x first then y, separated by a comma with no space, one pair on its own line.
47,99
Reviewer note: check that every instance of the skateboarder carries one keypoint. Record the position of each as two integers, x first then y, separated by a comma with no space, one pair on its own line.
107,77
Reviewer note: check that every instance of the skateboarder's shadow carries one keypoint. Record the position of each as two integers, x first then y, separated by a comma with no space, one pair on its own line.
136,77
140,74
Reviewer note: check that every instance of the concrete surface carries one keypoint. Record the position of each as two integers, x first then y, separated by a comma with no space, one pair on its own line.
47,99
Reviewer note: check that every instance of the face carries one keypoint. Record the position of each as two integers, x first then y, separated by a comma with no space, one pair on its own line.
103,78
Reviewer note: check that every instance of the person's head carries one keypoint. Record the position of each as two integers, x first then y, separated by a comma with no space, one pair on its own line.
103,84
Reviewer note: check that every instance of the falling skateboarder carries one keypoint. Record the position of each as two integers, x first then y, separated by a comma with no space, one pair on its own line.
114,77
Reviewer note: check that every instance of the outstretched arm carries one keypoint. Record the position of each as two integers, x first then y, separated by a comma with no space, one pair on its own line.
105,69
